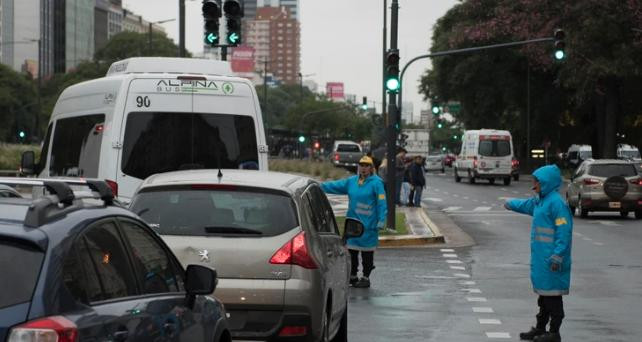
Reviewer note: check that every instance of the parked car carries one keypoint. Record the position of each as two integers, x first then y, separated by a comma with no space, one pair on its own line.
435,163
606,185
7,191
282,262
346,154
86,269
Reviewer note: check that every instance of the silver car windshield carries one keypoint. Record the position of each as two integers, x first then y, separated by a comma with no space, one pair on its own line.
204,212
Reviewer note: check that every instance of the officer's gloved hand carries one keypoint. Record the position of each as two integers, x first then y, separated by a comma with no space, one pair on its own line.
380,225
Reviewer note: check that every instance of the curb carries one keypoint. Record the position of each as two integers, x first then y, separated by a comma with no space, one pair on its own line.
413,240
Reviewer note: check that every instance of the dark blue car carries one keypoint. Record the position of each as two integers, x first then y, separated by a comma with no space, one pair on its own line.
78,269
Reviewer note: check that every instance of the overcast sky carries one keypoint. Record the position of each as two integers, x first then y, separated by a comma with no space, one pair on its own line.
341,40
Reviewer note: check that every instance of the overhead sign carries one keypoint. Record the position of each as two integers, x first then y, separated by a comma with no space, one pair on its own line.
242,59
334,90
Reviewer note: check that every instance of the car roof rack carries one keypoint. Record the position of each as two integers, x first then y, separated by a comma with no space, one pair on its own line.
61,200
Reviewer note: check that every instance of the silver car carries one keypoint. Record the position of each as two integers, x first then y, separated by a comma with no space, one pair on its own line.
435,163
282,264
606,185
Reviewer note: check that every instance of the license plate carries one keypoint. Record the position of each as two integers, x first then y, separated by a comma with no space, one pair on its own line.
615,205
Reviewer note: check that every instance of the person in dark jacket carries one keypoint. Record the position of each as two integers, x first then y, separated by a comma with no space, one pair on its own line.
551,241
418,179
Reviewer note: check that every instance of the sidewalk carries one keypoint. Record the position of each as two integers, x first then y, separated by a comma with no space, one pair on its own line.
423,231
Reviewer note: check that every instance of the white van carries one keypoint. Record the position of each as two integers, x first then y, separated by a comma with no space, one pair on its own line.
576,154
485,154
152,115
628,152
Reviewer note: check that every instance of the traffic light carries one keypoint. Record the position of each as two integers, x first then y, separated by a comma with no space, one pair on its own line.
211,13
559,44
439,124
392,83
435,108
233,13
301,138
22,134
364,104
316,145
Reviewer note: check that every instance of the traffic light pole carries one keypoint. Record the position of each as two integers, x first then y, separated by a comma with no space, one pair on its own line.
224,50
465,50
393,117
181,28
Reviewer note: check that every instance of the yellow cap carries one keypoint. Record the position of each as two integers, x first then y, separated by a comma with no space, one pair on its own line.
366,160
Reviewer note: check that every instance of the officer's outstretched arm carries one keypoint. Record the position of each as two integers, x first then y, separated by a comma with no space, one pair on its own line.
522,206
337,187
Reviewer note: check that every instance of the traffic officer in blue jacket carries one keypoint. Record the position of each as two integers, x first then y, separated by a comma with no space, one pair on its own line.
551,239
367,203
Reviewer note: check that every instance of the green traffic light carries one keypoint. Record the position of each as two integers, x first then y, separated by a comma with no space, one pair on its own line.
455,137
233,38
443,149
435,110
392,84
211,38
364,107
21,134
301,139
439,125
559,55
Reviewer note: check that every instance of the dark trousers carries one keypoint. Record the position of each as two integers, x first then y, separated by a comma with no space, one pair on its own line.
550,307
367,262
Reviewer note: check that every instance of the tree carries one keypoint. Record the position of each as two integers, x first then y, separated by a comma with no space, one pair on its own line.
588,87
18,105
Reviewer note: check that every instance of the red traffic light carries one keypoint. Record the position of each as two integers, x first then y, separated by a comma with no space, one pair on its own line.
559,34
317,145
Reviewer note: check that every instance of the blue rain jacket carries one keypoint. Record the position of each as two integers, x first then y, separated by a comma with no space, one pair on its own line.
367,203
551,234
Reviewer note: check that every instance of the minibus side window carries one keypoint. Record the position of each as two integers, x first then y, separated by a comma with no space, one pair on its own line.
75,149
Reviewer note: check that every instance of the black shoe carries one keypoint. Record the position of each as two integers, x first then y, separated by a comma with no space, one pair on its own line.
548,337
363,283
353,280
532,334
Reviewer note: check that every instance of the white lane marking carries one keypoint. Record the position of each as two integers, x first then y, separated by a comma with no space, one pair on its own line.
433,277
455,195
482,309
485,202
489,321
598,243
466,198
450,261
609,223
504,198
515,192
432,199
587,238
504,189
458,268
577,234
476,299
467,282
486,223
451,208
482,209
447,250
461,275
472,290
450,255
498,335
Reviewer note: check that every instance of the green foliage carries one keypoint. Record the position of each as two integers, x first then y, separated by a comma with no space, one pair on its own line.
444,137
594,84
18,104
11,155
320,170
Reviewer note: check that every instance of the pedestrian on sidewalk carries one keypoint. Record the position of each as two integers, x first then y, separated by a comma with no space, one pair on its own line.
366,203
400,168
551,240
418,180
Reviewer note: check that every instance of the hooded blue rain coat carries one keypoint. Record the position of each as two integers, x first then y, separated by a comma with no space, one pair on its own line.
367,203
551,234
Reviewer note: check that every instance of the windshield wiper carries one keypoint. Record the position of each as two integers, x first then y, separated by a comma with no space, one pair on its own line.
232,230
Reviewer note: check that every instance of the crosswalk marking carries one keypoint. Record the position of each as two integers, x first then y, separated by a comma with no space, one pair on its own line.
482,209
451,255
489,321
472,290
432,199
447,250
450,261
498,335
451,208
476,299
458,268
482,309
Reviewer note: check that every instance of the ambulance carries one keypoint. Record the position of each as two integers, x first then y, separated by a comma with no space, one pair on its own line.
485,154
150,115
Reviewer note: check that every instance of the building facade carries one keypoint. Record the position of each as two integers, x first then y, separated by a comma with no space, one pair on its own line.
19,34
276,38
79,32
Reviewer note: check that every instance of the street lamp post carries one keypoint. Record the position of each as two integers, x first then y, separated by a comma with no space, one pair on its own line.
150,31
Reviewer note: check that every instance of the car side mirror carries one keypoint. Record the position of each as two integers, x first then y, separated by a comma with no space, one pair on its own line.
28,163
353,228
200,280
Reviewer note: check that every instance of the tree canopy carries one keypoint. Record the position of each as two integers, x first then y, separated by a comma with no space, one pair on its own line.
596,83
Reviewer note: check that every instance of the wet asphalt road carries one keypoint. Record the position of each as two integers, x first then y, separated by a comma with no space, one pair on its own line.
483,293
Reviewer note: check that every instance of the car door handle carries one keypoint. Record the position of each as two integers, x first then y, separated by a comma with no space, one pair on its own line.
121,335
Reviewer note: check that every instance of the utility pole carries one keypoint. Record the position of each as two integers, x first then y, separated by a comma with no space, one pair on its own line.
181,27
392,120
383,53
